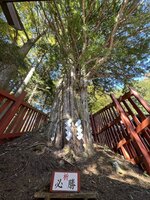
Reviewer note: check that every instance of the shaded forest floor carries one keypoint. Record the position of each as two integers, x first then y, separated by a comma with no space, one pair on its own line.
26,164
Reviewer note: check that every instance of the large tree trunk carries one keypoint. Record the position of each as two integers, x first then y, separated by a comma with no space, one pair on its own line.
71,107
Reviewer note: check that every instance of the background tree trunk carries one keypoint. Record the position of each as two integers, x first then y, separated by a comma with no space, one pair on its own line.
25,81
8,72
32,94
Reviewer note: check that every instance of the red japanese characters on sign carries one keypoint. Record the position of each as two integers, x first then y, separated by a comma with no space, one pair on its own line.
65,182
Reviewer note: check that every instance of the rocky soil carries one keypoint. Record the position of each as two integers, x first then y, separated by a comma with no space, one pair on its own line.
26,165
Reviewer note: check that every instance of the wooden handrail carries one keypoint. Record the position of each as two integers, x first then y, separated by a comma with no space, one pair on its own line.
140,99
17,116
123,130
132,133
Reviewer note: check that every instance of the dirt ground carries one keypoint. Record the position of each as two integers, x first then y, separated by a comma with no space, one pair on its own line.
26,164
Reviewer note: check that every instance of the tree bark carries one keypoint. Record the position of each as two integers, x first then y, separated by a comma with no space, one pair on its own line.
23,51
71,104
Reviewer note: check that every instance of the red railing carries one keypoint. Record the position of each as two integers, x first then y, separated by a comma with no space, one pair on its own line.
124,126
17,116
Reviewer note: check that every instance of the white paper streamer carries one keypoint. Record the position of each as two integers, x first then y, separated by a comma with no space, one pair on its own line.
68,122
69,136
68,129
78,122
79,129
80,136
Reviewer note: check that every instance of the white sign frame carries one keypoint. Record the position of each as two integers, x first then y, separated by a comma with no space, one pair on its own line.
63,184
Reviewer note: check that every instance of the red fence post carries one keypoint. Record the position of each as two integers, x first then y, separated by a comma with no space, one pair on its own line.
125,128
10,113
17,116
133,134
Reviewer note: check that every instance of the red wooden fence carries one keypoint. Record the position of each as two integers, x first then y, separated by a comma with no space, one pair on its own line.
18,117
124,126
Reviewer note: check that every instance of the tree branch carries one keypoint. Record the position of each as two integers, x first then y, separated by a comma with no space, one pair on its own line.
118,19
54,30
28,45
84,29
101,75
100,61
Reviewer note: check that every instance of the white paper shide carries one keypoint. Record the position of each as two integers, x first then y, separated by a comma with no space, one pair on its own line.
79,129
68,129
78,125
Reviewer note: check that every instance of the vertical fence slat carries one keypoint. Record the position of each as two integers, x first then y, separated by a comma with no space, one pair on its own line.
17,117
10,114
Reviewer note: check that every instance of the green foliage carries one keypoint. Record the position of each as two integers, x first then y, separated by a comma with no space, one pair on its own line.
9,54
88,35
97,99
143,87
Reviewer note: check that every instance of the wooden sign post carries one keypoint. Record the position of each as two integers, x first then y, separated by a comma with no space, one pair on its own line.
65,185
65,182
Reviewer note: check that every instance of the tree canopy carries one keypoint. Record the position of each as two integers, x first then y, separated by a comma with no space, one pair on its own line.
98,44
109,39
